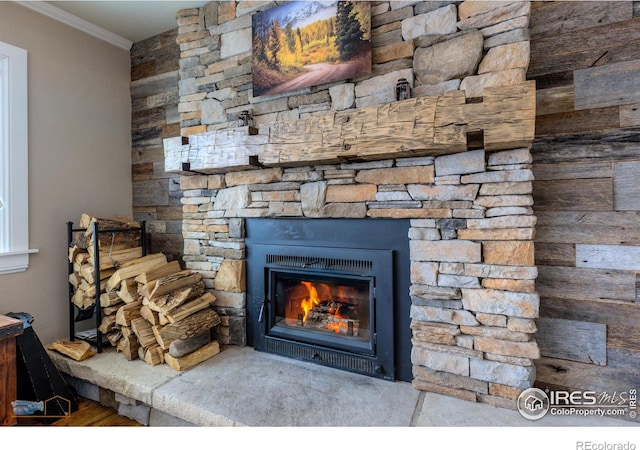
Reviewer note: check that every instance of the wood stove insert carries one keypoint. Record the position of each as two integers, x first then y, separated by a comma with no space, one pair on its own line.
316,293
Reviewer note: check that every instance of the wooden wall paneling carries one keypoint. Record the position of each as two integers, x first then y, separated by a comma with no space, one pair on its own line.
553,254
588,234
621,219
142,172
623,336
608,85
573,340
155,65
626,191
586,284
623,358
578,121
585,60
622,257
576,375
630,115
587,227
581,49
611,313
552,18
592,145
569,171
147,118
553,80
554,100
150,193
571,195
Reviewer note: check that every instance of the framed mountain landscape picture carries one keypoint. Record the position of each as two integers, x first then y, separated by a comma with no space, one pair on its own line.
301,44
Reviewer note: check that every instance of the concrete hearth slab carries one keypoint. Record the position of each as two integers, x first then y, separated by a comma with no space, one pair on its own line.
242,387
110,370
245,387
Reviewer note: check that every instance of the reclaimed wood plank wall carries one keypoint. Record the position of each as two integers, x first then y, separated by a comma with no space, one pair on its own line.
585,58
155,116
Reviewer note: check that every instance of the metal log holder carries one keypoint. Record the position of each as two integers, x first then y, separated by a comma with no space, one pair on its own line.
95,309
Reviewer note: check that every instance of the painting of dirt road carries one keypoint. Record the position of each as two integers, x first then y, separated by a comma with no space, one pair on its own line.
301,44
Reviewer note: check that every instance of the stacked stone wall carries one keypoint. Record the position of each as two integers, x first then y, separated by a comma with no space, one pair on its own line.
473,300
438,46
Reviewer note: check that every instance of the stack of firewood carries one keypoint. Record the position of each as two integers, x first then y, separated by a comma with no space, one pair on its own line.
151,308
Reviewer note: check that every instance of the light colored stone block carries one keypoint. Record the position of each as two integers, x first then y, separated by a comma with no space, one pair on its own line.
460,163
439,21
443,193
452,59
503,57
343,96
443,315
501,373
442,362
397,175
231,276
232,198
424,273
235,42
518,304
508,253
448,251
253,177
351,193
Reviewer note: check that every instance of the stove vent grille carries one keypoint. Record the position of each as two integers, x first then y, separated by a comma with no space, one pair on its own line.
350,362
320,263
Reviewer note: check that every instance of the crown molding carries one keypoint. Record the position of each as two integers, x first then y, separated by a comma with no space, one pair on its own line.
73,21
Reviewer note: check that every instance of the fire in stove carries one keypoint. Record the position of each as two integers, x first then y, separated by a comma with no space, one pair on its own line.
327,312
327,307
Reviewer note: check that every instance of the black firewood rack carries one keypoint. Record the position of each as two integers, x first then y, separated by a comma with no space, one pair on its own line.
77,314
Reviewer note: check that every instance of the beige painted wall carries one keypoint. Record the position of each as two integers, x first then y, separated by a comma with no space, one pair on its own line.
79,153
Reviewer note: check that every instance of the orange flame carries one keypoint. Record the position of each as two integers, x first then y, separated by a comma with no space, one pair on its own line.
309,302
313,299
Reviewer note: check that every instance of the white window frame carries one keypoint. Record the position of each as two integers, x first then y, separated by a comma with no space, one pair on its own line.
14,206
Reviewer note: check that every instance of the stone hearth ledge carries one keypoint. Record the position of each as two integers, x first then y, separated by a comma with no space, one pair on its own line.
242,387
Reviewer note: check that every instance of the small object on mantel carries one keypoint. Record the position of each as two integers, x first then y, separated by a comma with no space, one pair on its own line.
403,89
245,119
78,350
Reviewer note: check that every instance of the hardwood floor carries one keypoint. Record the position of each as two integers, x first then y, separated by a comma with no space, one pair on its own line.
89,414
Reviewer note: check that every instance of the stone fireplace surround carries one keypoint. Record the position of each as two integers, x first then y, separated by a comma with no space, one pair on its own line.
473,302
472,272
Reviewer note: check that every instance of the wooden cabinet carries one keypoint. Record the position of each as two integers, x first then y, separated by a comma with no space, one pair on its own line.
9,329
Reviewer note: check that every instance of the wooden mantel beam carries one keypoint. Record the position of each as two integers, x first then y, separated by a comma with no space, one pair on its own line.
423,126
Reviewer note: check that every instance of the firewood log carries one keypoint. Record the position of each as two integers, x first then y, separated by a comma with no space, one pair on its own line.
78,350
144,333
202,354
190,307
182,347
191,326
167,303
127,313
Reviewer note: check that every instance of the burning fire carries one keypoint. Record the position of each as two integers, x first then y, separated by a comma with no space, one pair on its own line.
309,302
313,299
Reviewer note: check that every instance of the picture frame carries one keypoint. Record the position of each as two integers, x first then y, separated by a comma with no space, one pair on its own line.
301,44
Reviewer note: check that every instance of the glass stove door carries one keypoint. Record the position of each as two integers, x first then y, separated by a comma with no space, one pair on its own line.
333,311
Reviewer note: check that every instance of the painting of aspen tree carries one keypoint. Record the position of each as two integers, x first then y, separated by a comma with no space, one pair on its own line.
301,44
